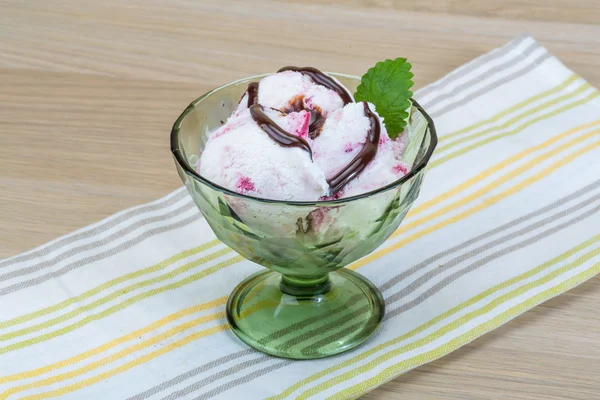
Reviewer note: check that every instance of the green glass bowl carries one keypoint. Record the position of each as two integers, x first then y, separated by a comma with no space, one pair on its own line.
304,305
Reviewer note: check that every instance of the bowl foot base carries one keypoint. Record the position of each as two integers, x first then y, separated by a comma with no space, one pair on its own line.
305,326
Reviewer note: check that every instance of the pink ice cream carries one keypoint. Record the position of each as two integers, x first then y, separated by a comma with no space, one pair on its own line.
328,130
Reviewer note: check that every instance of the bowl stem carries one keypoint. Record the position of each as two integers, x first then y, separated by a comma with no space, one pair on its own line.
303,286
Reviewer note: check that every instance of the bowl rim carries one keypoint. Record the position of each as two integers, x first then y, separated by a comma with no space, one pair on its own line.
183,163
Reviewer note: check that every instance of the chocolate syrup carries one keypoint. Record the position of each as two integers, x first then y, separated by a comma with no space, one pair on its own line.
362,159
316,119
316,124
296,105
252,94
275,132
321,79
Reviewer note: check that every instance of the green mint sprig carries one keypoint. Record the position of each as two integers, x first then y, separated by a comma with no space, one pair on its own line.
387,85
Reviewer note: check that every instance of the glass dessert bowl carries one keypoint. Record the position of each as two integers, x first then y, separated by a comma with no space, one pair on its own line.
304,305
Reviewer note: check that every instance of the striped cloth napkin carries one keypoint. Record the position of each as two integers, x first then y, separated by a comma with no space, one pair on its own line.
132,307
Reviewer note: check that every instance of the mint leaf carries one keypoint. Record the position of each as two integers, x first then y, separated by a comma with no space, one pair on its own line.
387,86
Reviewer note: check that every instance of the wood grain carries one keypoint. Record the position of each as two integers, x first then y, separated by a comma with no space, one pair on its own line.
89,90
581,11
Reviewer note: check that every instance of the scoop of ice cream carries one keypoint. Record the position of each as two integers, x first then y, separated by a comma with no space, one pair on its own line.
343,136
284,89
244,155
241,157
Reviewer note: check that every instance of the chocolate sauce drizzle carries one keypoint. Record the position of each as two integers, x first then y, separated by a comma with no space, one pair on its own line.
275,132
321,79
362,159
252,93
316,124
316,119
296,105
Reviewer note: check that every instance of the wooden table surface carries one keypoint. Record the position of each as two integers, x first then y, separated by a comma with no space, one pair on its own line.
89,90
